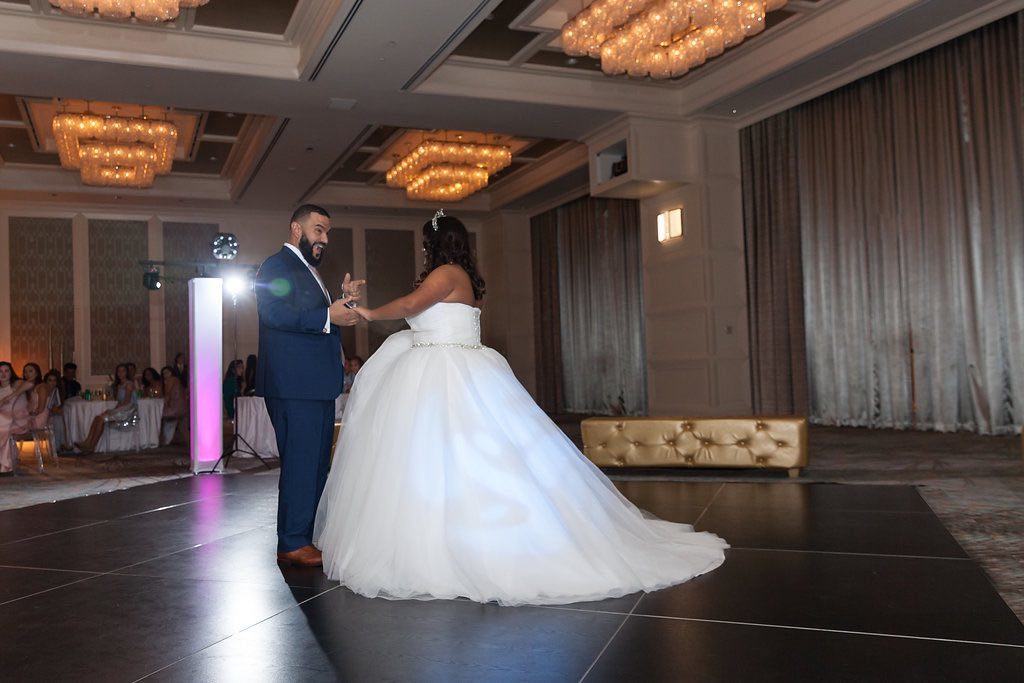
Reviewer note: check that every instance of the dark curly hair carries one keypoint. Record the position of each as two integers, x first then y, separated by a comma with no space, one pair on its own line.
449,244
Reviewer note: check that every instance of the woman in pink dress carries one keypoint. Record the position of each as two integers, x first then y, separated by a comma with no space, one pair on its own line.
175,405
38,398
14,417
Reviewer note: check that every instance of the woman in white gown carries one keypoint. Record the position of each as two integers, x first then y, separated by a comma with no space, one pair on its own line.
449,481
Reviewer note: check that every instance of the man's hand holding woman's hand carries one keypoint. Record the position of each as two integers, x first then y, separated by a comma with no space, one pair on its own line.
342,315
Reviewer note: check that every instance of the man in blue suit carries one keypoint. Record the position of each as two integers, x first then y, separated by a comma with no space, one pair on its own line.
299,373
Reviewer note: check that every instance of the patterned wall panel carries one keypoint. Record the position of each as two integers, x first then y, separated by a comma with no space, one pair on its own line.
118,303
182,242
42,299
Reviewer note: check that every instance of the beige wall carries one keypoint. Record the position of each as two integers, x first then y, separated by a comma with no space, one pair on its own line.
507,319
695,288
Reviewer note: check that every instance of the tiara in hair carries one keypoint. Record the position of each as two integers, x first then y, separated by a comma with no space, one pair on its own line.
433,221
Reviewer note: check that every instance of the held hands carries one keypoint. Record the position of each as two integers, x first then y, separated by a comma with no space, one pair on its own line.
342,315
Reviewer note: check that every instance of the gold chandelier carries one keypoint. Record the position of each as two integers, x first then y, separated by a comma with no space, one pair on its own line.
115,150
447,171
662,38
142,10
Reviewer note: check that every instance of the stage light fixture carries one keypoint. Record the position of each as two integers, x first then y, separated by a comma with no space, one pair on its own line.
234,284
151,279
224,246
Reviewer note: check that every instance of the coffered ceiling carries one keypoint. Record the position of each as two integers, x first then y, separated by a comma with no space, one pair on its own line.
310,100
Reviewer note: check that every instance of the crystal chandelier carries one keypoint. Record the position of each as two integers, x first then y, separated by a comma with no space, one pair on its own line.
142,10
115,150
447,171
662,38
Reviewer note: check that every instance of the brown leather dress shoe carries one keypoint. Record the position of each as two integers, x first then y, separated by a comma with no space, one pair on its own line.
306,556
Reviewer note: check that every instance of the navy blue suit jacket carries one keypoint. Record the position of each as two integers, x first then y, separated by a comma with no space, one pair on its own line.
296,359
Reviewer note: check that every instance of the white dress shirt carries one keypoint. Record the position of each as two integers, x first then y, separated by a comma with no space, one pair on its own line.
319,281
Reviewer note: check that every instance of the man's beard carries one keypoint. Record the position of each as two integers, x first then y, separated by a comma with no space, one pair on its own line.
306,247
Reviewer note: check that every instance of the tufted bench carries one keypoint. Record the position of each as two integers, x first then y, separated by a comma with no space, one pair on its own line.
762,442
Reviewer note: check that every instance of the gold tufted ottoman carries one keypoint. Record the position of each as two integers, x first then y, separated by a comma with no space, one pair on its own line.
775,442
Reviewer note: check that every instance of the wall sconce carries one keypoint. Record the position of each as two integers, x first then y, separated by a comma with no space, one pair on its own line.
670,224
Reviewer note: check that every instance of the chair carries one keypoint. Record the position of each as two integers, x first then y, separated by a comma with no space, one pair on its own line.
173,429
124,423
42,439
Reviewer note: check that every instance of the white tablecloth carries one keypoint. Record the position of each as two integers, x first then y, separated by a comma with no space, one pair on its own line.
253,424
79,414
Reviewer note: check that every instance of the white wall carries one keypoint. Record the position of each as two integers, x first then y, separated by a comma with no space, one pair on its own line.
505,263
695,288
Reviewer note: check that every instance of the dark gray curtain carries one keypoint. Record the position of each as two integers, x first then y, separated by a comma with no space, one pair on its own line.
912,238
775,277
597,290
546,318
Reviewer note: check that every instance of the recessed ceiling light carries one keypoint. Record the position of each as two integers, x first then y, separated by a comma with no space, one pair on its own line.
230,115
571,61
734,111
11,144
213,158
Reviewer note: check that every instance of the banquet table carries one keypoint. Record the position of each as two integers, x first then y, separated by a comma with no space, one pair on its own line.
79,413
253,424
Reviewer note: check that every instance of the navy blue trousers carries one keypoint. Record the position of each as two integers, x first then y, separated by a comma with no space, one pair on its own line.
304,430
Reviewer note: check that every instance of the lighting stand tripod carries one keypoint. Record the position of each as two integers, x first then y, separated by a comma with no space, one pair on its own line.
238,445
238,442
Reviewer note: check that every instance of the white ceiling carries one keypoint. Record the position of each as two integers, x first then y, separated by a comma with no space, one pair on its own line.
344,67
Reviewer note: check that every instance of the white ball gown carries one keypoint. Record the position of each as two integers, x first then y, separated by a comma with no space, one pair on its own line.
449,481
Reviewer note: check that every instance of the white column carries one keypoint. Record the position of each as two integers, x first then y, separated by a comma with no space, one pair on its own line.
80,267
359,272
157,331
205,345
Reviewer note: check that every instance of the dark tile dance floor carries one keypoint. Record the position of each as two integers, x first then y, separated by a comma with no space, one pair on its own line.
177,581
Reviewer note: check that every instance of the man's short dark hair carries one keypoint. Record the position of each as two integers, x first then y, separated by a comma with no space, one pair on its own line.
70,366
306,209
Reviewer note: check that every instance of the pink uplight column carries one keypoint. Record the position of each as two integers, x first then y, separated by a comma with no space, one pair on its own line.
205,345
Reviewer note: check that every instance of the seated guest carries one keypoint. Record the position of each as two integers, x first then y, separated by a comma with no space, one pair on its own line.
14,418
352,366
175,403
232,386
181,367
132,370
55,408
39,398
249,378
152,384
126,396
69,386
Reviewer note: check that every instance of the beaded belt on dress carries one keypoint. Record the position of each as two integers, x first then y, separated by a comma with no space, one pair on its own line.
461,346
